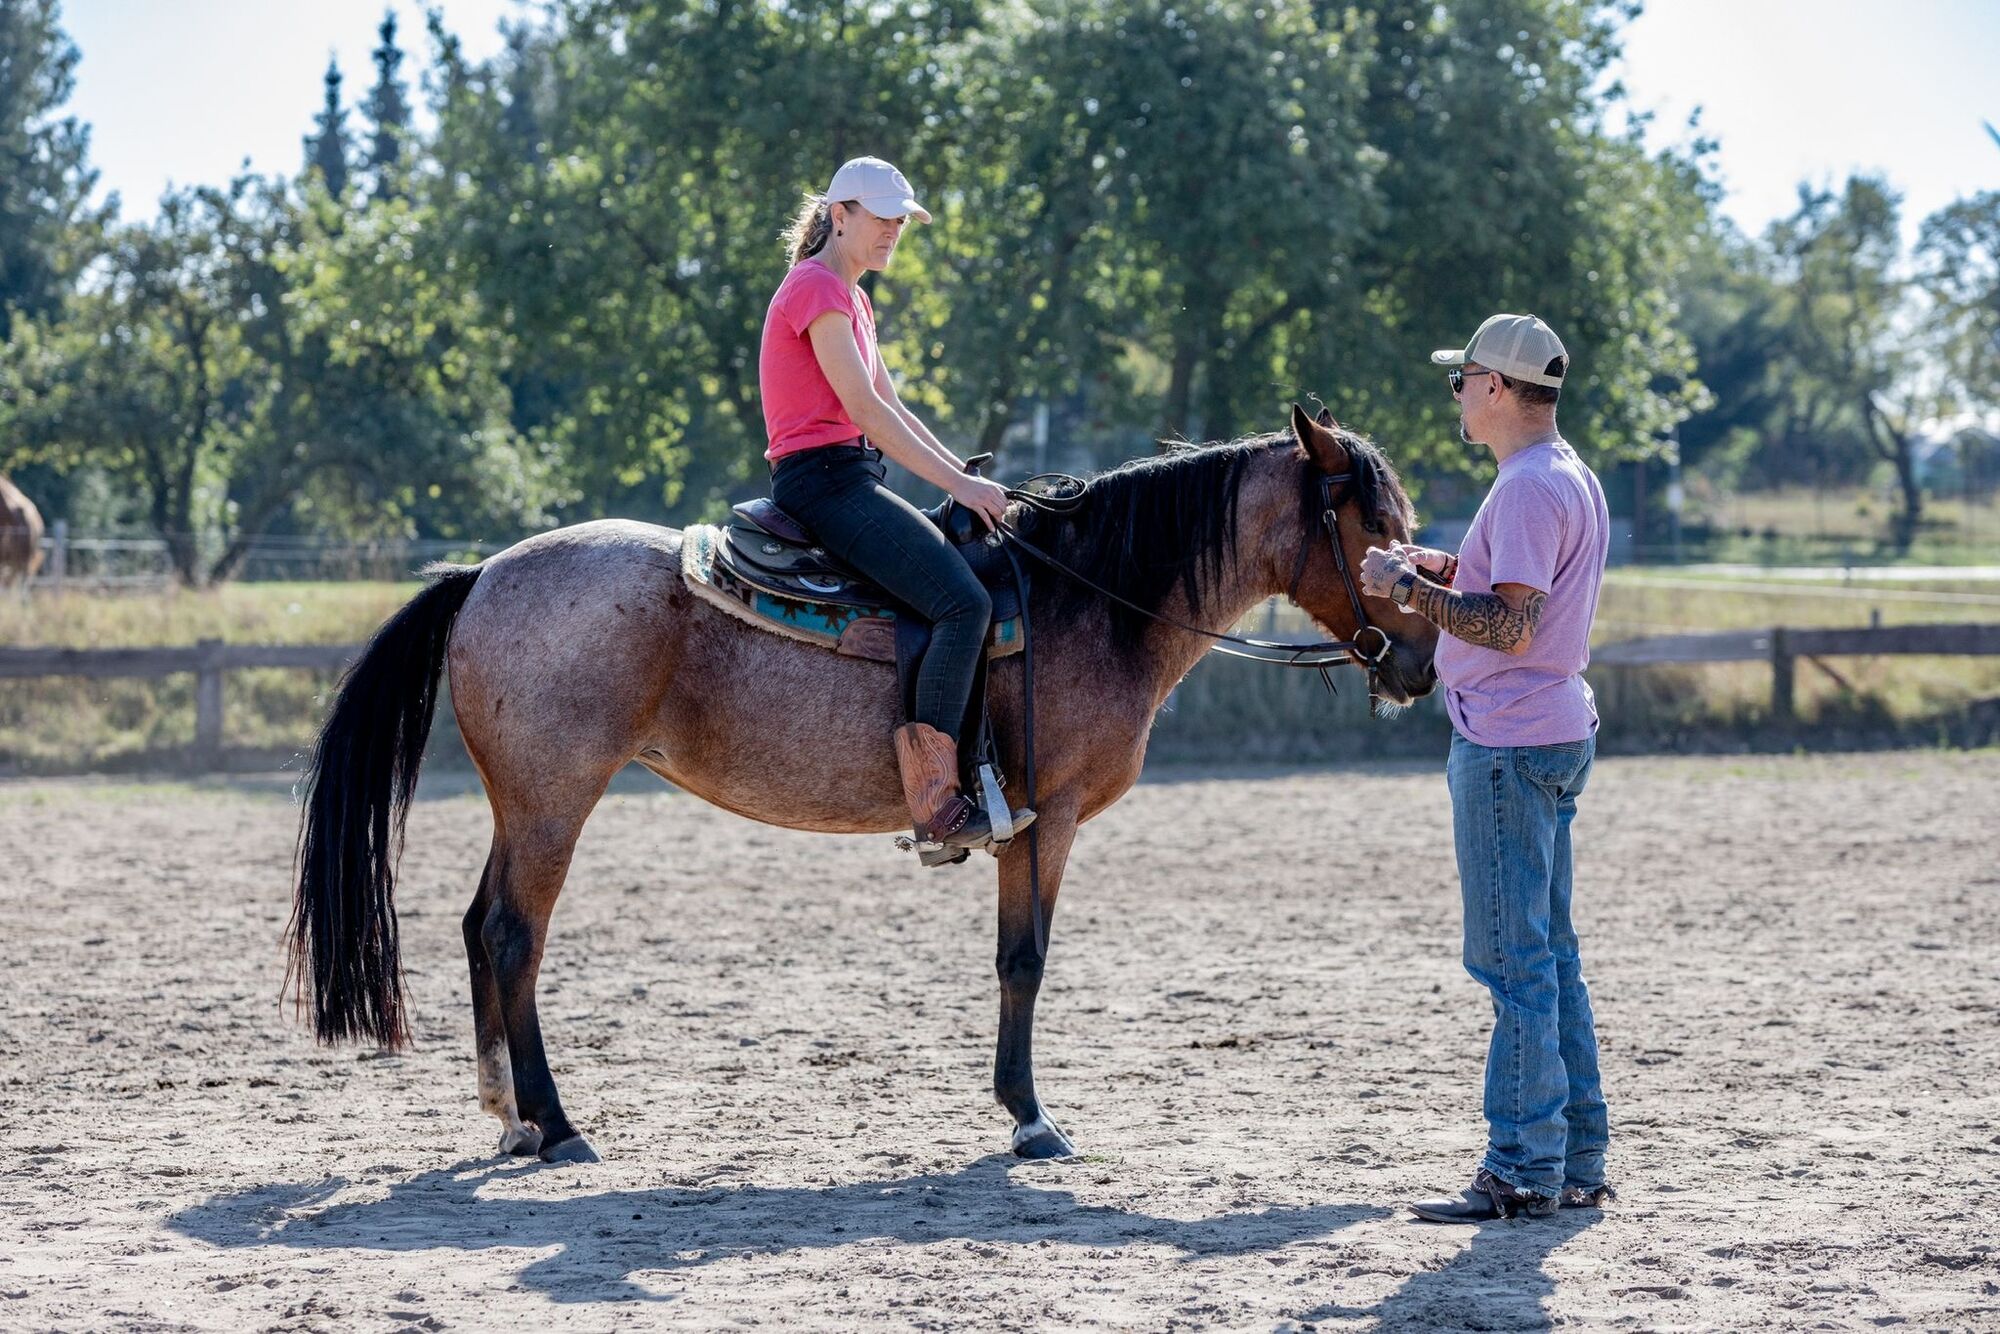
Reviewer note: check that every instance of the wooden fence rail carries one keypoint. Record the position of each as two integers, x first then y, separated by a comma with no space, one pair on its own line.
207,659
1782,647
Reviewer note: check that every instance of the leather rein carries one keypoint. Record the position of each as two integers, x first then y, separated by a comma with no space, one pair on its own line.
1319,653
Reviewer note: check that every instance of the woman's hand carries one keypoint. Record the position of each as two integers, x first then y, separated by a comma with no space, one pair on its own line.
987,499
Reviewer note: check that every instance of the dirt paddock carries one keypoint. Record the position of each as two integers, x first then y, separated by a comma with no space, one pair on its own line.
1254,1027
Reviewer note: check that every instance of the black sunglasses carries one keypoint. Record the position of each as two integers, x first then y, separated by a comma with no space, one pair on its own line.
1457,378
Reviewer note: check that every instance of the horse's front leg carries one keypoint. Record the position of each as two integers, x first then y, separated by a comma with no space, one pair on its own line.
1035,1136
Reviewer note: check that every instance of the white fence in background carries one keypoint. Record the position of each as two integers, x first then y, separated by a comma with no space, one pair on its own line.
73,562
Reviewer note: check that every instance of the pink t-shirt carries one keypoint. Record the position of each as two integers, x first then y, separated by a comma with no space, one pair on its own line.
801,411
1544,524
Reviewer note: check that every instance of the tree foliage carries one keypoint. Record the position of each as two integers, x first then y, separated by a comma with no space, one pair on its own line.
388,111
1151,219
1959,256
48,226
328,151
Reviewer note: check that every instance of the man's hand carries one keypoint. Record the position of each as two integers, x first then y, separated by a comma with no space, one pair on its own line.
1440,565
1381,568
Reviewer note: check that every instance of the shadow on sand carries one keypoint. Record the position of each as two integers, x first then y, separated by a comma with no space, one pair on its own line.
604,1238
1497,1282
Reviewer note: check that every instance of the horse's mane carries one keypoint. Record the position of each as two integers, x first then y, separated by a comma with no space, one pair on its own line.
1147,527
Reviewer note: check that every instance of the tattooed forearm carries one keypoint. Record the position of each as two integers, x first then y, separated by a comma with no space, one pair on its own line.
1479,618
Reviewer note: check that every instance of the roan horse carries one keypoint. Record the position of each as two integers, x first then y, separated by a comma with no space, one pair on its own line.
20,535
580,650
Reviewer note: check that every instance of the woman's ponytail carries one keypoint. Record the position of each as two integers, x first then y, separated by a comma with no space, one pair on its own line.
806,236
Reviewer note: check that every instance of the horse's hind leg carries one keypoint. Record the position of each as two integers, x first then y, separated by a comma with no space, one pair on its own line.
1035,1135
489,1031
535,854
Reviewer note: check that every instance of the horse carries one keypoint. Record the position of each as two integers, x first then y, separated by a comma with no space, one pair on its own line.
580,650
20,535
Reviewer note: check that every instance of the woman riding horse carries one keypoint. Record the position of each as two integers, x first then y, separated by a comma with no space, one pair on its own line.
832,413
581,650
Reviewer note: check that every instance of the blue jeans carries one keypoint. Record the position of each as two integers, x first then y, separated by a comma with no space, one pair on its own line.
837,492
1511,810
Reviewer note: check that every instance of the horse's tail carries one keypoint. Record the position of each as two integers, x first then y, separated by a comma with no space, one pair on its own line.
357,795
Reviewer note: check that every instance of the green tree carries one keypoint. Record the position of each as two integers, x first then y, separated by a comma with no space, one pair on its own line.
253,357
1235,180
1728,307
327,149
1958,252
1501,186
388,111
48,227
145,376
1838,260
390,415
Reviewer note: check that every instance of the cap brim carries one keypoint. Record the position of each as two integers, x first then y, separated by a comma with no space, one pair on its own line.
895,206
1448,356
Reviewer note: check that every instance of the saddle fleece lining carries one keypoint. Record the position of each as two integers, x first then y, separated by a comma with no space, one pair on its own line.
700,548
697,554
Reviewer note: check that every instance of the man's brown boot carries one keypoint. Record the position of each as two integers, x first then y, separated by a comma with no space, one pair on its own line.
941,813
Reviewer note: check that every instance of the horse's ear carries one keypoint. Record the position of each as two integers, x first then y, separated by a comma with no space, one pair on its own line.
1325,418
1322,444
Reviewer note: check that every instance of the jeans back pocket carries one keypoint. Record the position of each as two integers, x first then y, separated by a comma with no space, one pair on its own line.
1555,766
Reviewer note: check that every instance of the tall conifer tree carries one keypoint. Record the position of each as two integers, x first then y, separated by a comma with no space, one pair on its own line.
326,147
388,110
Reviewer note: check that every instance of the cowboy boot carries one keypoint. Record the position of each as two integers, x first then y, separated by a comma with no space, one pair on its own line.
942,814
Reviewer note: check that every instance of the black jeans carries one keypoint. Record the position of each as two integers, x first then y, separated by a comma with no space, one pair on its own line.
836,491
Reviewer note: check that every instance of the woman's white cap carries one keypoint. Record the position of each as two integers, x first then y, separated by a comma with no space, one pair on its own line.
877,187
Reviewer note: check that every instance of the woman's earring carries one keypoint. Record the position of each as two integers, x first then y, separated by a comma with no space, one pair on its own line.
838,232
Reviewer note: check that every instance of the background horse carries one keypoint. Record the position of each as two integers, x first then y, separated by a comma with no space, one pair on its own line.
579,651
20,535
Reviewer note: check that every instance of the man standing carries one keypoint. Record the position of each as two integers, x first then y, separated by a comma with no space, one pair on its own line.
1515,607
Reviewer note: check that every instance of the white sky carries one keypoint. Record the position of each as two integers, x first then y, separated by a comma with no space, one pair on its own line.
1811,91
182,91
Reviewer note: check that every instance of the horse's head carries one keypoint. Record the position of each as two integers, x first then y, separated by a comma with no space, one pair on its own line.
1369,508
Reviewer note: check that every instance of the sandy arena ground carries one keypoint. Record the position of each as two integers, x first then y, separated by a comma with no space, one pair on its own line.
1255,1028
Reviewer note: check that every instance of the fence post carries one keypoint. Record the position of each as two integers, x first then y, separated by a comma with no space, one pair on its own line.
208,704
1781,678
58,554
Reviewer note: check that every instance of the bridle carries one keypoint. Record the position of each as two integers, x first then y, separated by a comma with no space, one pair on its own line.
1321,654
1330,502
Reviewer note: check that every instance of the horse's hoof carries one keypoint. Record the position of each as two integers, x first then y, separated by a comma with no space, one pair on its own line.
575,1149
521,1141
1040,1139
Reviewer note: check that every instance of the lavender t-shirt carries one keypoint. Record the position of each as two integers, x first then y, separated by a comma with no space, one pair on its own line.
1544,524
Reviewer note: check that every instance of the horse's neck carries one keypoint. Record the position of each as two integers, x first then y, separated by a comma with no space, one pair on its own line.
1221,602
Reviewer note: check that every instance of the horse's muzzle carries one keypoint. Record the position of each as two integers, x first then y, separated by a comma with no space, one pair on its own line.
1400,680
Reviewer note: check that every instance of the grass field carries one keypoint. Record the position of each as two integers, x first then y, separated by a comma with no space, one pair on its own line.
62,724
1799,525
59,723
